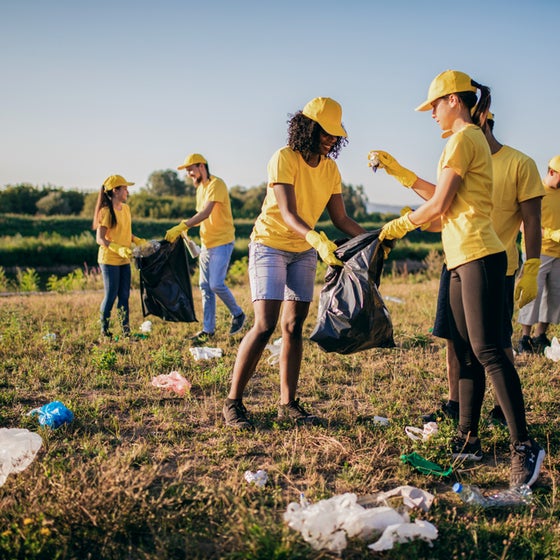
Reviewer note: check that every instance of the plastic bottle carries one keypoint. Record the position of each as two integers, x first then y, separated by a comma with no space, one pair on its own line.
192,247
520,495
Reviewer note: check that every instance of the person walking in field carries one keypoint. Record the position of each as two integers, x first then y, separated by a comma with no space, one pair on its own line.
516,197
460,205
217,235
545,309
113,225
303,180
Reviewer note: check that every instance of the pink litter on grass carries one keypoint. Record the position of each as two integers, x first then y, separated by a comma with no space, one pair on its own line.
173,381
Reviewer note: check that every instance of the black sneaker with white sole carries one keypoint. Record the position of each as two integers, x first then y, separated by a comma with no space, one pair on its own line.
465,451
237,323
295,412
235,414
526,462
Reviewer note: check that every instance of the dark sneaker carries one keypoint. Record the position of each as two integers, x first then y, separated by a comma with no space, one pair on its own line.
294,411
526,461
449,409
540,343
237,324
235,414
201,338
525,345
496,416
462,449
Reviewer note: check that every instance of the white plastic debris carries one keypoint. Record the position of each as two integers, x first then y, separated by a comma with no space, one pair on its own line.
50,336
259,478
274,350
173,381
328,523
553,351
18,448
373,161
405,532
412,497
424,433
393,299
381,421
205,352
146,327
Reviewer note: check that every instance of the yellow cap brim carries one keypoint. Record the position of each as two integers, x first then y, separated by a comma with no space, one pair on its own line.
426,106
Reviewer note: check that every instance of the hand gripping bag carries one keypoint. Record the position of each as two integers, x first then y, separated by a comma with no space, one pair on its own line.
352,316
165,283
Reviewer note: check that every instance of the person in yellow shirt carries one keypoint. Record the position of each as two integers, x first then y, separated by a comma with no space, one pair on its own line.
303,180
217,235
545,309
113,226
516,198
460,205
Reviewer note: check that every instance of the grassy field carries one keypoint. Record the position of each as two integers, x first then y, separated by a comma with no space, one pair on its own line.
143,474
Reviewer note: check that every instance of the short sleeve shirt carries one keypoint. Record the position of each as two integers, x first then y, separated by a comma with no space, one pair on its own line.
121,234
550,218
218,228
467,232
313,187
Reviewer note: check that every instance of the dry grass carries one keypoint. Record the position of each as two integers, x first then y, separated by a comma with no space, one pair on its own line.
141,473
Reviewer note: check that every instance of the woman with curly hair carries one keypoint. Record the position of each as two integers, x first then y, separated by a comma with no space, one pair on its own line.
303,180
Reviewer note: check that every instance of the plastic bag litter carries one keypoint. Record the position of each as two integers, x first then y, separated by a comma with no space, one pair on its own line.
173,381
424,433
412,497
405,532
53,414
328,523
259,478
146,327
553,351
165,285
424,466
274,350
18,448
205,352
352,315
381,421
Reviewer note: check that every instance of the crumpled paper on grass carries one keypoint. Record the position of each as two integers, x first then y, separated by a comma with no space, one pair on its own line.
205,352
173,381
328,524
18,448
552,352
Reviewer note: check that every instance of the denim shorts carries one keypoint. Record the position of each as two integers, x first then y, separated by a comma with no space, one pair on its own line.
281,275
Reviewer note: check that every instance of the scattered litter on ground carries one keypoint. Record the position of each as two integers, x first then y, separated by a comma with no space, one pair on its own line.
146,327
553,351
381,421
393,299
18,448
205,352
50,337
259,478
173,381
424,466
424,433
53,414
274,350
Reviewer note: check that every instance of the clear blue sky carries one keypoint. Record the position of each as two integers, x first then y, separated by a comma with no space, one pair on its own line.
95,88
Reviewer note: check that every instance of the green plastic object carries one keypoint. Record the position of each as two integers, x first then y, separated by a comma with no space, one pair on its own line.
424,466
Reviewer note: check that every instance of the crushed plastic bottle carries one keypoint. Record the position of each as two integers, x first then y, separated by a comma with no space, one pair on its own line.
516,496
192,247
146,249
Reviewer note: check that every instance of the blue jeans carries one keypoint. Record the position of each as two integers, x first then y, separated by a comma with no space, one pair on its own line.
213,265
116,281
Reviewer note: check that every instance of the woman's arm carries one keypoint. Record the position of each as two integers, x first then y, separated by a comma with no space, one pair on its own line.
340,218
286,199
101,236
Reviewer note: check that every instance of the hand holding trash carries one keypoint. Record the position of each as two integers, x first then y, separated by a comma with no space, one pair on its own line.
326,248
121,250
173,233
379,159
397,228
526,288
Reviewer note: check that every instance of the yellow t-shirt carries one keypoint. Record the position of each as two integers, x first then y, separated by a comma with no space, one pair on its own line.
121,233
516,179
550,218
218,228
467,233
313,187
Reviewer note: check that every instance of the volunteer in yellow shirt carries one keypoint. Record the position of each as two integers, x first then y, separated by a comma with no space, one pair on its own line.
217,234
545,309
461,202
303,180
113,226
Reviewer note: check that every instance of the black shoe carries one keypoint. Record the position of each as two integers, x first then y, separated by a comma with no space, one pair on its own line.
201,338
526,461
294,411
462,449
525,345
449,409
235,414
237,324
540,343
496,416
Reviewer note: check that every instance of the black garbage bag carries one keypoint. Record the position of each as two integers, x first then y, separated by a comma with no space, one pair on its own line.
165,283
352,316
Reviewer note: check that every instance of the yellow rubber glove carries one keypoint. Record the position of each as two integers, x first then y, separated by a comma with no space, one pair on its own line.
553,234
138,241
526,288
397,228
121,250
172,234
326,248
379,159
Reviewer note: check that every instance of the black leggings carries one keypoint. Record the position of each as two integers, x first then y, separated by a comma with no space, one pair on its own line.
476,299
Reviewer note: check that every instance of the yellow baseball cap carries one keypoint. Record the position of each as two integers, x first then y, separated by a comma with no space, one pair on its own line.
192,159
328,113
114,181
554,163
450,81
